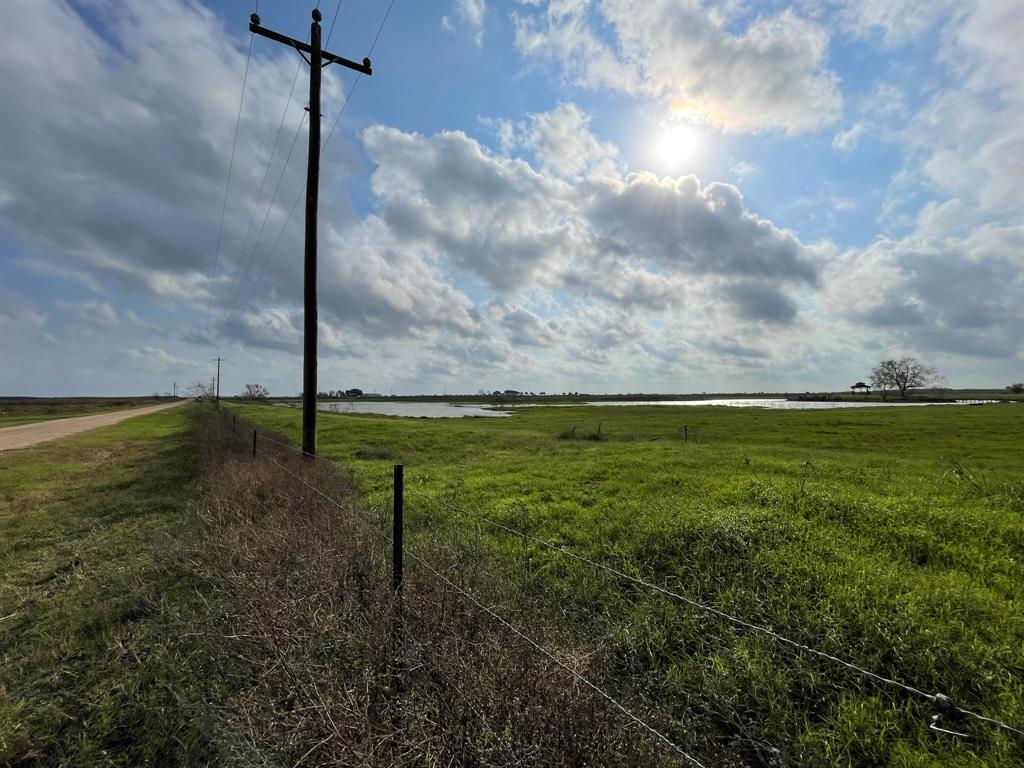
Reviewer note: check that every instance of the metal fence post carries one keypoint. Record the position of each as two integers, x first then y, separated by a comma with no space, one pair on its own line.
396,552
686,433
234,423
254,443
397,617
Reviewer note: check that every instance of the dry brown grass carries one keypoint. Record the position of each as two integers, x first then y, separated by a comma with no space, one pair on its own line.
313,672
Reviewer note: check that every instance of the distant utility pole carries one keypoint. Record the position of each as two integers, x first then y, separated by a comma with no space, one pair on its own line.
218,360
175,389
317,59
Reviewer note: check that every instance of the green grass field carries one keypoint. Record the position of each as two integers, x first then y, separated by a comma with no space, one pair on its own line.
89,585
892,538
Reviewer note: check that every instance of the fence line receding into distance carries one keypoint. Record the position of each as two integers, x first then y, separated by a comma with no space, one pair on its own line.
942,703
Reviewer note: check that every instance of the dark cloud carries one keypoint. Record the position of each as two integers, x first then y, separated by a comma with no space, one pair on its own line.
956,295
759,301
897,313
523,328
734,349
281,330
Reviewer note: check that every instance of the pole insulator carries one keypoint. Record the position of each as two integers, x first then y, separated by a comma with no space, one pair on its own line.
255,19
316,15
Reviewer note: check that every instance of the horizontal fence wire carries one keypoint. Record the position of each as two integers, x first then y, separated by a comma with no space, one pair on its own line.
665,740
935,698
941,701
292,448
350,510
661,737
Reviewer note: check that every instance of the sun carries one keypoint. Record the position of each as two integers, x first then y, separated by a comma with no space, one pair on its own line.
678,144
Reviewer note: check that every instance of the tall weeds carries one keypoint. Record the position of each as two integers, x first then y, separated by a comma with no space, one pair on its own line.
315,667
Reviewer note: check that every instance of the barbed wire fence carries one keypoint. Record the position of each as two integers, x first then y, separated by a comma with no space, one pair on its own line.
473,600
943,705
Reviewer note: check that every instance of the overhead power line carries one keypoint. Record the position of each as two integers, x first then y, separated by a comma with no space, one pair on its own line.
330,32
270,206
266,216
317,58
263,181
298,197
227,186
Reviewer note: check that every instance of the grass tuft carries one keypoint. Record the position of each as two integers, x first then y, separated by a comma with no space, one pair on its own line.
377,452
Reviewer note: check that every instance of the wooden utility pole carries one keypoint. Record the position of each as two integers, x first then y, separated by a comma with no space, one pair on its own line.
317,59
218,360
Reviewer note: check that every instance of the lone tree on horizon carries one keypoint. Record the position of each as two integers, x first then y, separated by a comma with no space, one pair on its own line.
255,392
903,375
199,390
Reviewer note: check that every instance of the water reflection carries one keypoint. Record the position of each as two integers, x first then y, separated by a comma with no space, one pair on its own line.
413,410
777,403
436,410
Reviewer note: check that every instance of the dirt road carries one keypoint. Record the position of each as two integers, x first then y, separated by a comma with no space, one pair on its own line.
29,434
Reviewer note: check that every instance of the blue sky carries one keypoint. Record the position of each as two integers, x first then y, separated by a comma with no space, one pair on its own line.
604,196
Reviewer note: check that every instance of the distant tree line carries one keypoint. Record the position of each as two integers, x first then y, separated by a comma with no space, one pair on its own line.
354,392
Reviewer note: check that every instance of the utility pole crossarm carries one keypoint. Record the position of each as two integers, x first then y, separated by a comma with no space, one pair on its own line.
317,59
301,47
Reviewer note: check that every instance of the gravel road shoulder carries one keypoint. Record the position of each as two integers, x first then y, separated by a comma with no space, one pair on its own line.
25,435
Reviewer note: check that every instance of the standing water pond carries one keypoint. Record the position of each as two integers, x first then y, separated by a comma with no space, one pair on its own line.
435,410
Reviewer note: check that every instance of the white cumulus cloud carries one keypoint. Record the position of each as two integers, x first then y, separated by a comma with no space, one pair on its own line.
847,141
770,75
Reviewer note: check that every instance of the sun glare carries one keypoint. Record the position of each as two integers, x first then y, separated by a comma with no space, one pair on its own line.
678,144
